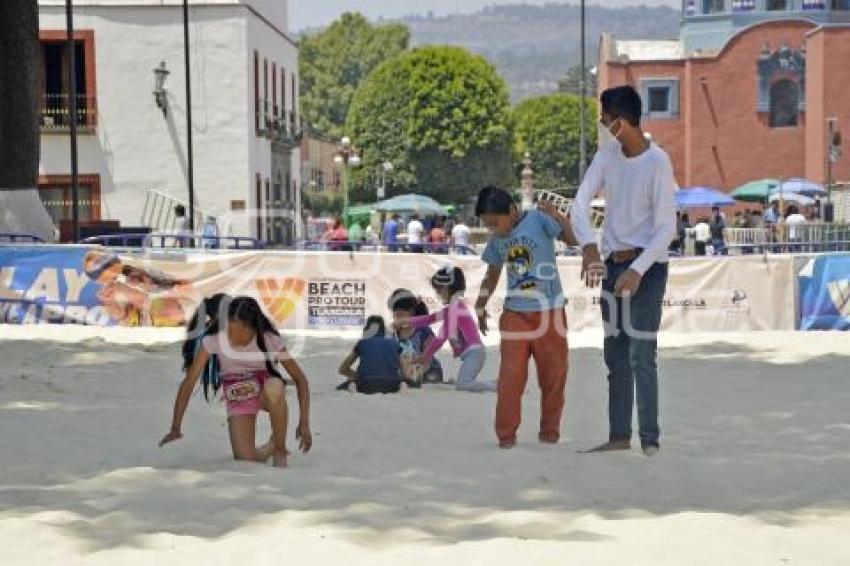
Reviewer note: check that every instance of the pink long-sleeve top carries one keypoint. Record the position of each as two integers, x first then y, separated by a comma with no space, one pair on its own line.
459,328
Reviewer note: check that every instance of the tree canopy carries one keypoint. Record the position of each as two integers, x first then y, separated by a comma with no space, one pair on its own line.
441,116
334,61
547,128
570,83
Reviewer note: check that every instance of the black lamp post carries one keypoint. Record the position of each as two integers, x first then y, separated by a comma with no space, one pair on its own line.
191,171
72,117
160,74
582,152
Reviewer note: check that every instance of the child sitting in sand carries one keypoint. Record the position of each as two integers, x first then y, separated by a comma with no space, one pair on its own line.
247,347
414,341
459,327
379,370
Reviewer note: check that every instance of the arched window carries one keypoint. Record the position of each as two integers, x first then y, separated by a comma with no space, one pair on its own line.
784,104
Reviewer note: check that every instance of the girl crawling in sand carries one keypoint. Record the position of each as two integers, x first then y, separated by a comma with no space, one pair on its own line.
246,347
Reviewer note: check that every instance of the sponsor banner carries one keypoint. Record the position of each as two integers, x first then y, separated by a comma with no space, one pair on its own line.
340,290
49,285
337,303
825,294
705,295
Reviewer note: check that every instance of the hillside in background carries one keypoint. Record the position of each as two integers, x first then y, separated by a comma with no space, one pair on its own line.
533,46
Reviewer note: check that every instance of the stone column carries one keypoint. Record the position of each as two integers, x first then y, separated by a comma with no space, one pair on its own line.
527,185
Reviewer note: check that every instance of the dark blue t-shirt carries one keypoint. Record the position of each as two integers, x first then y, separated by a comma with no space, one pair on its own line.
379,359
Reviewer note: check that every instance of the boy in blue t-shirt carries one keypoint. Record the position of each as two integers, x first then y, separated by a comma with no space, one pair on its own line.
534,323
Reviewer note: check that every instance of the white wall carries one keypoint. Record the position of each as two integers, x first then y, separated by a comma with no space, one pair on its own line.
275,48
276,11
135,147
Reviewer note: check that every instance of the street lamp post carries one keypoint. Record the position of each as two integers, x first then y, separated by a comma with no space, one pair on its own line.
383,171
189,149
346,156
72,122
582,159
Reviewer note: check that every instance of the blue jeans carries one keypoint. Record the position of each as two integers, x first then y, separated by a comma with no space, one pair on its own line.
630,355
472,362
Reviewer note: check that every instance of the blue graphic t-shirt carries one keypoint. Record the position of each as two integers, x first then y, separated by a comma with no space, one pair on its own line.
529,255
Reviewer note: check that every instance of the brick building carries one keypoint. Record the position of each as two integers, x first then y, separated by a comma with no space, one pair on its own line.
747,90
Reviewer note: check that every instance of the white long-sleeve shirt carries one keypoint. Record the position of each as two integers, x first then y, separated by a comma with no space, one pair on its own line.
640,204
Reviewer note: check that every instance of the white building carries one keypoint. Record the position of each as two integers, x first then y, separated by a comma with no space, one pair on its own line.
244,74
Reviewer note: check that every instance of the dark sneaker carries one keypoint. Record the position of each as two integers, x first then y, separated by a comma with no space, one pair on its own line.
650,450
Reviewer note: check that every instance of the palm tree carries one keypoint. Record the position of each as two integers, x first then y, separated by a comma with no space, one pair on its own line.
21,210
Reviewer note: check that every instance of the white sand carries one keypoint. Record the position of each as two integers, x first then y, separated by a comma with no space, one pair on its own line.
754,468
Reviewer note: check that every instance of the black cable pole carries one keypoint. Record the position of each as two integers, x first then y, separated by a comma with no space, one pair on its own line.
191,174
72,118
582,160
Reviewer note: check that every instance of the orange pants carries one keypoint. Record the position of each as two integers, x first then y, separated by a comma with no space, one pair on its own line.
543,336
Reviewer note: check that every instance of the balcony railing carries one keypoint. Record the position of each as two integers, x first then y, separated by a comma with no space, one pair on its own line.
280,126
55,115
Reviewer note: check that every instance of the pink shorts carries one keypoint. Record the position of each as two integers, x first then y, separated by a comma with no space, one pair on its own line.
243,392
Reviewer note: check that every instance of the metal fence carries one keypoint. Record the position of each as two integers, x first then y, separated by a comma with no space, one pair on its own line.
10,238
175,241
788,238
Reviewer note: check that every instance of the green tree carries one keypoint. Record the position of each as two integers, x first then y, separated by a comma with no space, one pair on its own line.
548,129
319,204
570,83
441,115
333,62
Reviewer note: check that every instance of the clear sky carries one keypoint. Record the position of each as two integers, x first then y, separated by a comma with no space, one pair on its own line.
312,13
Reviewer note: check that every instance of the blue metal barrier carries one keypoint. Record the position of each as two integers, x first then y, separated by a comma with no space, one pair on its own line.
20,238
175,241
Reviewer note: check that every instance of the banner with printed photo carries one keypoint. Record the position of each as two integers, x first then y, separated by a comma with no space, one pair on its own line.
83,285
316,290
825,294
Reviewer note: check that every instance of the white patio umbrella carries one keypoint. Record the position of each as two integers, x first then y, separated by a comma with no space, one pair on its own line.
796,198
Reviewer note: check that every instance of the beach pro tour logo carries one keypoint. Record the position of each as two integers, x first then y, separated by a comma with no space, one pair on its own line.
280,297
839,292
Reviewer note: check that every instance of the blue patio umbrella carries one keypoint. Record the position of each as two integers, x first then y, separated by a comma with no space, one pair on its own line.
702,197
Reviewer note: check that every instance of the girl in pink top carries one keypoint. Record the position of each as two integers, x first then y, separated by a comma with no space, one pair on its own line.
459,328
247,349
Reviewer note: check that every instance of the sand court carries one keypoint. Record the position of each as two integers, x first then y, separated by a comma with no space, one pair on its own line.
753,469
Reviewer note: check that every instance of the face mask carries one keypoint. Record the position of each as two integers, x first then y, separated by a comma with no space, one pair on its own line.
607,140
